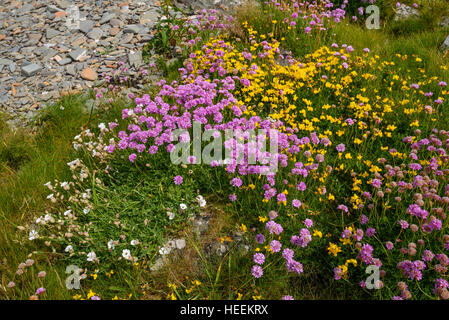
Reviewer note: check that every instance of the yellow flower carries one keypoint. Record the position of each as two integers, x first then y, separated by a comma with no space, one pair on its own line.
317,233
333,249
90,294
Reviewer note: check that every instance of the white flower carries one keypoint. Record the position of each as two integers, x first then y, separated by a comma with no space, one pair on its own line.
183,206
203,203
47,217
126,254
50,196
111,244
72,163
91,256
77,137
102,126
67,212
171,215
33,235
164,250
38,220
134,242
86,210
48,184
199,198
69,248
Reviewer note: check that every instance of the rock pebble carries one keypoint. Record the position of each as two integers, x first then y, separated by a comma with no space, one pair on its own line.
60,46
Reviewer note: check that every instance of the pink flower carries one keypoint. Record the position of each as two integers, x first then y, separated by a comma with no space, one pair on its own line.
178,180
40,291
132,157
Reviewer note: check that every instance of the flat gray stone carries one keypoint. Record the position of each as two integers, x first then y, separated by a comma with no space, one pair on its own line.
78,53
107,17
95,34
70,69
149,17
86,26
31,69
51,33
52,8
132,28
6,62
64,61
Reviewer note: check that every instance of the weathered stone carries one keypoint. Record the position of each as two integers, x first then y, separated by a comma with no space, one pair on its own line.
78,54
95,34
149,17
89,74
70,69
31,69
86,26
114,31
132,28
107,17
64,61
51,33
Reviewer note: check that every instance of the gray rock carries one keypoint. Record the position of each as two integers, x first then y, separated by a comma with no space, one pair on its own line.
51,33
78,54
126,38
86,26
64,61
64,3
31,69
6,62
95,34
132,28
107,17
52,8
70,69
149,17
